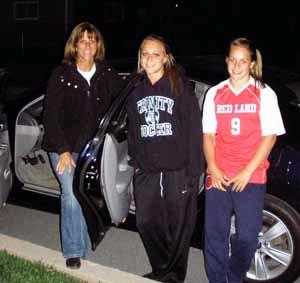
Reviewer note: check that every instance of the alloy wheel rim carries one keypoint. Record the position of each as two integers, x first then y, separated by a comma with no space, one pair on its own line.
275,250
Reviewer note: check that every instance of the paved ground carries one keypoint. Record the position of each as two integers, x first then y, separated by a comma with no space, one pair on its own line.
120,251
90,271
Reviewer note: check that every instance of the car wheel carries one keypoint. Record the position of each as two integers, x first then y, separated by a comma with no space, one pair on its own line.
277,258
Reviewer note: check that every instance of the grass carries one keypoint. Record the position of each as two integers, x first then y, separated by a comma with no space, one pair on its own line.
15,270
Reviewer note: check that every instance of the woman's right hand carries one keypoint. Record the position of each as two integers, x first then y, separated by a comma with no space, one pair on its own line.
218,178
65,162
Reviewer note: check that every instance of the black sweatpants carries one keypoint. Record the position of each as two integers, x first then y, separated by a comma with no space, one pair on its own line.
166,210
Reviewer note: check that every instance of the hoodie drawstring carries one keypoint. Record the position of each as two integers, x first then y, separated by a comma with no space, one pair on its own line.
161,186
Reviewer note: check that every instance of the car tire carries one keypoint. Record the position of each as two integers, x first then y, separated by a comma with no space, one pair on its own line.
280,255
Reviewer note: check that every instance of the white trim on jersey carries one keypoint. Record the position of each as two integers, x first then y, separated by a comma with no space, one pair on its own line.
270,116
209,119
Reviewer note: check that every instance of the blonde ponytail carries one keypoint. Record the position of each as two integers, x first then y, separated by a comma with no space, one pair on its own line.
256,71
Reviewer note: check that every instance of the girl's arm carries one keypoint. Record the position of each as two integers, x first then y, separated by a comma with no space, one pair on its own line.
219,180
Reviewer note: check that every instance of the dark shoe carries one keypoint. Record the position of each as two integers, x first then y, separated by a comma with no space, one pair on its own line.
73,262
152,276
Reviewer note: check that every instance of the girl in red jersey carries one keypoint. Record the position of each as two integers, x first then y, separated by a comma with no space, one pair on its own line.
241,120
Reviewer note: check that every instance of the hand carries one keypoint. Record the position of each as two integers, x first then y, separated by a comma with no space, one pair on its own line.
65,162
240,181
219,179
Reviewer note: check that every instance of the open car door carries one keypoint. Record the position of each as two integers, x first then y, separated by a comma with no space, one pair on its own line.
116,178
102,180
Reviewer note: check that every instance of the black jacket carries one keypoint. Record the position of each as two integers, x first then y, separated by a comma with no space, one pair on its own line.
165,129
73,108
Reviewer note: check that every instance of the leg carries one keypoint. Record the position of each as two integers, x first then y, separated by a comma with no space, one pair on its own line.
218,210
166,213
150,218
181,203
248,206
73,226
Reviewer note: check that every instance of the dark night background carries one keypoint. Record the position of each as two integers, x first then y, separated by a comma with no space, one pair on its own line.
33,33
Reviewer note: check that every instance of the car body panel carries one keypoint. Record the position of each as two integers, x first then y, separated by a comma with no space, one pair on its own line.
284,175
5,150
87,191
5,161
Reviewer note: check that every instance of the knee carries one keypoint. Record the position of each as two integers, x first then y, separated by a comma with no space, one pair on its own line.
249,240
219,232
66,183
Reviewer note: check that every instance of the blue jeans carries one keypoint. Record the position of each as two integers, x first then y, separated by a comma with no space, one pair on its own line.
74,238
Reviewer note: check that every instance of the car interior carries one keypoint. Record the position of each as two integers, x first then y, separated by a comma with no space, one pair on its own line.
32,164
